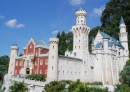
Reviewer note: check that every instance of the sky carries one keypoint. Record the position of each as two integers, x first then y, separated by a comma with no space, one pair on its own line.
21,20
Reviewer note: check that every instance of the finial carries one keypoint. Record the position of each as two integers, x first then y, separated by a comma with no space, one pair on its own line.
122,20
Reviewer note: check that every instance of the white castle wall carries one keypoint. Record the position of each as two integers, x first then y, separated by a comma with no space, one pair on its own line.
69,69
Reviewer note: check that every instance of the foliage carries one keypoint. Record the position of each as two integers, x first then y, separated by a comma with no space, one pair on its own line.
55,86
18,87
78,86
2,71
124,75
38,77
71,86
96,89
4,62
122,88
94,83
65,42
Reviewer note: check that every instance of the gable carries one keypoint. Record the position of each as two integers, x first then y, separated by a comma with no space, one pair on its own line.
98,38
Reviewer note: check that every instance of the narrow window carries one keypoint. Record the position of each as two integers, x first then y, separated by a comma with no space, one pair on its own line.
75,54
52,67
53,46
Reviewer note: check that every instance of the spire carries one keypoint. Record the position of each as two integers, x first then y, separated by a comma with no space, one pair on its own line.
92,40
122,20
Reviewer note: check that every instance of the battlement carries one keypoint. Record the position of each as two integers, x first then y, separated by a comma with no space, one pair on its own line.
54,40
14,47
81,12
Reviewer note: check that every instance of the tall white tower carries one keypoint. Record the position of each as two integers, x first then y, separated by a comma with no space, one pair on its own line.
80,35
13,55
123,37
52,73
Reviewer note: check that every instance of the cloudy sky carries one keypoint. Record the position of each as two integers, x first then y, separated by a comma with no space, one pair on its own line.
21,20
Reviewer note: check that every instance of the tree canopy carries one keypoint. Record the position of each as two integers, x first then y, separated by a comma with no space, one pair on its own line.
4,62
65,42
18,87
125,74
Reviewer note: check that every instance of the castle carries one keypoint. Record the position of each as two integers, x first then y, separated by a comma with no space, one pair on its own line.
104,63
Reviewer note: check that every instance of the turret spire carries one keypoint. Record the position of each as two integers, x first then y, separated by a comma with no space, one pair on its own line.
122,21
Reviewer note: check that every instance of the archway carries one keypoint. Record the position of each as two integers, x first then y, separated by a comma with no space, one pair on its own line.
27,71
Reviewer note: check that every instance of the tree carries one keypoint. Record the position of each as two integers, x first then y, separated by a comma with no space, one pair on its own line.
2,71
54,86
124,76
65,42
77,86
4,62
18,87
122,88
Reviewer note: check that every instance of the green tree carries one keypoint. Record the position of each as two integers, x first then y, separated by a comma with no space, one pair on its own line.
18,87
77,86
65,42
2,71
4,62
124,75
122,88
54,86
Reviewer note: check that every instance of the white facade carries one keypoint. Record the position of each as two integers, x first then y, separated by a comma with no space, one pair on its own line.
104,63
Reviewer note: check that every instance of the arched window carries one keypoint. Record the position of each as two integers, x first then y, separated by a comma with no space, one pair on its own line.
27,71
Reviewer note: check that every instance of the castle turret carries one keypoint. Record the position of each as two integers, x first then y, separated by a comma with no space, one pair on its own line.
13,55
123,37
52,73
81,17
80,34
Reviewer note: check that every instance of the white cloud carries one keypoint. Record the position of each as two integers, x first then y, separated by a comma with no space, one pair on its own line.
55,32
13,24
98,11
2,17
76,2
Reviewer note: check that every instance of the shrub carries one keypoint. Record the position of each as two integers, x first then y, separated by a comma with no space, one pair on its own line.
37,77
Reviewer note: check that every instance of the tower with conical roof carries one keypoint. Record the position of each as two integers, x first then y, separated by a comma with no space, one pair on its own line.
123,37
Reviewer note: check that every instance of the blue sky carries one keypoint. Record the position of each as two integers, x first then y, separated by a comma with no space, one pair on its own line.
21,20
